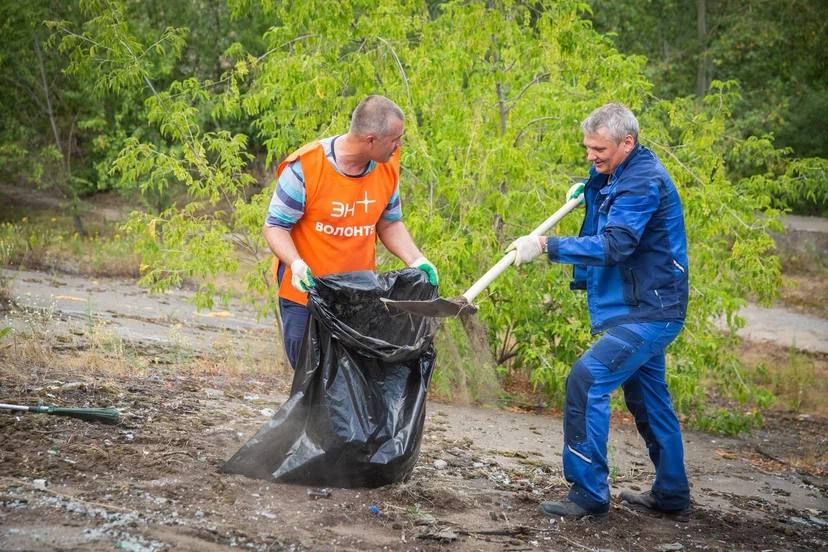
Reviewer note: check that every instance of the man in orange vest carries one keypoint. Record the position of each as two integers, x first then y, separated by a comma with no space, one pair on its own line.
333,199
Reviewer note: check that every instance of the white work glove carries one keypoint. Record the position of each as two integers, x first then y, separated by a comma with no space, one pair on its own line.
425,265
301,277
527,248
576,190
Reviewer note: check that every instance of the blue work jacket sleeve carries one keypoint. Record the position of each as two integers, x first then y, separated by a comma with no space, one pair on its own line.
628,213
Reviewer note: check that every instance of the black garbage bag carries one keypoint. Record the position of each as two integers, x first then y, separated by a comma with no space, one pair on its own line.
357,405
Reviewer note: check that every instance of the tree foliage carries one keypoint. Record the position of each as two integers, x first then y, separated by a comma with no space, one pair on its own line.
774,50
494,93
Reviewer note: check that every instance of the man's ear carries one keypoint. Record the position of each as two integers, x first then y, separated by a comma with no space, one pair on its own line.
629,143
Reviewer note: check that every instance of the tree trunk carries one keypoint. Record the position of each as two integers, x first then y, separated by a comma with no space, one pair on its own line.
702,82
74,208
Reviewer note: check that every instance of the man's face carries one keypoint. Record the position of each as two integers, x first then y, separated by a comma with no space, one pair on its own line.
383,147
604,152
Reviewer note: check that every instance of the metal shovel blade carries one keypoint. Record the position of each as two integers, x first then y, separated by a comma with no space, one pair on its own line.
435,308
441,308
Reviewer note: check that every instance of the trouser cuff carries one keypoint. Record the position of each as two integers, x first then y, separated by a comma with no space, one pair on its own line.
580,497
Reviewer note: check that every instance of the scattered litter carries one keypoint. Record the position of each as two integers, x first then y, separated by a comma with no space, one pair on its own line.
40,484
818,521
374,510
317,493
268,412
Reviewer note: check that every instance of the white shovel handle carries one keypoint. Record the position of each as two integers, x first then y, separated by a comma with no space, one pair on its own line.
509,258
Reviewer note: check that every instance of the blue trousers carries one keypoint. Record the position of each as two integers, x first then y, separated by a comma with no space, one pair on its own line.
294,322
630,356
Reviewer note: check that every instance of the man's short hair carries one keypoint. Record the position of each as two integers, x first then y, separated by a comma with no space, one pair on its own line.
373,115
616,118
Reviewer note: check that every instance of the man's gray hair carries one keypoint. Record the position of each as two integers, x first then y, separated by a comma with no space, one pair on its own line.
617,119
373,115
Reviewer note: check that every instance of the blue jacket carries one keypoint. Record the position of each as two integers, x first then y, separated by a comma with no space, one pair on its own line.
631,253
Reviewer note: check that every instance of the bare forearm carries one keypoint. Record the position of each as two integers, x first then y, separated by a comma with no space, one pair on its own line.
397,240
281,243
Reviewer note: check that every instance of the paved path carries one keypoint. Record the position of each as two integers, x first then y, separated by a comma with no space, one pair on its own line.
783,327
169,320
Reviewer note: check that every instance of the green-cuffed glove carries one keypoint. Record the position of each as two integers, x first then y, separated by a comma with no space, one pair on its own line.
576,190
425,265
301,277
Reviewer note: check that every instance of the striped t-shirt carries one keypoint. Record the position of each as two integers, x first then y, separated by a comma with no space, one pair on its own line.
288,202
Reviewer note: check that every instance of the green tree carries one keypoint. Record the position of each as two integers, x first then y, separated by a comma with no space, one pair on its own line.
774,50
494,93
45,115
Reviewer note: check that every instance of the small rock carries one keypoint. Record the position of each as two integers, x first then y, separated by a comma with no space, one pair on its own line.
478,465
440,464
669,546
444,535
268,412
40,484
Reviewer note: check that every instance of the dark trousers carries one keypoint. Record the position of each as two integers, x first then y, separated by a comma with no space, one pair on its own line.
294,322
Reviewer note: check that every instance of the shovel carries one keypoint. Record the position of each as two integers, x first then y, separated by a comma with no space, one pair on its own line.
441,308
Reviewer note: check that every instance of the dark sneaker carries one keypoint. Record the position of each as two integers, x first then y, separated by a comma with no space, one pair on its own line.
568,509
648,501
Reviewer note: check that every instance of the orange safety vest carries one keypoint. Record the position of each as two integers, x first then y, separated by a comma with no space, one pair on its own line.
337,232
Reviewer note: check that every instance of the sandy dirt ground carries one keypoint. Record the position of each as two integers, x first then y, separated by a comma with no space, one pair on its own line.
152,482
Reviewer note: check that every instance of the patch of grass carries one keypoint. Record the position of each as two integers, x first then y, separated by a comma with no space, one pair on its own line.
795,380
43,243
806,292
727,421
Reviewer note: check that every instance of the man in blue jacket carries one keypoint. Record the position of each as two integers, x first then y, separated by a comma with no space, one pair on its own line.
631,258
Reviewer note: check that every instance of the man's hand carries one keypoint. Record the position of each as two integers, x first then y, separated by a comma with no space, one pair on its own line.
425,265
576,190
527,248
301,277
